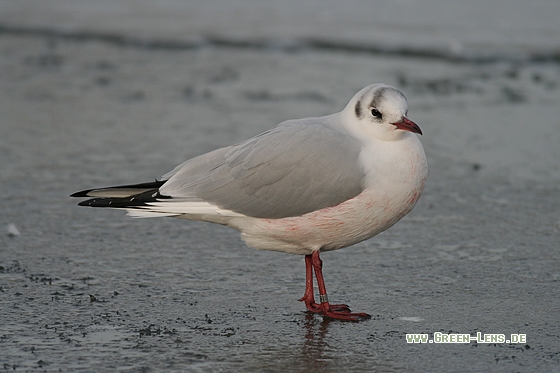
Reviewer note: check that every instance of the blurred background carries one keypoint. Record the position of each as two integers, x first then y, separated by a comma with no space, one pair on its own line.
96,93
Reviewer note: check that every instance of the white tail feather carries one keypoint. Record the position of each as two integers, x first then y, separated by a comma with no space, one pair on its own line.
193,209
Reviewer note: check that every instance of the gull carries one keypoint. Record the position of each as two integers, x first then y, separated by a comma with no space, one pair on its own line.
305,186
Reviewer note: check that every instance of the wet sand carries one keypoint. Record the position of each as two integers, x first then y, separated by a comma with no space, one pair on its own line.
92,290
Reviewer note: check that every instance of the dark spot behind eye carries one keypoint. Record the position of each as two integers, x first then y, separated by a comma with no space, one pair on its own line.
358,109
376,113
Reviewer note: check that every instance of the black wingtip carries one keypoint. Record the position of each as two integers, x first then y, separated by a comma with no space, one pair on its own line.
153,184
83,193
84,203
134,201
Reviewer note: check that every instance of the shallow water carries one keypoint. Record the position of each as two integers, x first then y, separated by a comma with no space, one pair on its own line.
89,290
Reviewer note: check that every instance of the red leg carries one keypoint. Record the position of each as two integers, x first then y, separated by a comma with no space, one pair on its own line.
309,298
335,311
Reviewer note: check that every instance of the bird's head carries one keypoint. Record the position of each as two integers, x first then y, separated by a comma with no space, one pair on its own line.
380,110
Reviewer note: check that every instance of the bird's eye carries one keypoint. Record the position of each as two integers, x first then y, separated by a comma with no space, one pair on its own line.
376,113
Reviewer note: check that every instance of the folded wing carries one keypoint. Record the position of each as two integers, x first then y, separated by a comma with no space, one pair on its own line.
293,169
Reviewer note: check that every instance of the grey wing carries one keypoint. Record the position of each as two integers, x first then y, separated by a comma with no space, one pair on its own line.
295,168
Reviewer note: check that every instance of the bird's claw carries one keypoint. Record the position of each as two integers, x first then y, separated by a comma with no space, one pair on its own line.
346,316
335,311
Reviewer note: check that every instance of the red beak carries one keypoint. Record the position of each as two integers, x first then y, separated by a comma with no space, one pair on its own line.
408,125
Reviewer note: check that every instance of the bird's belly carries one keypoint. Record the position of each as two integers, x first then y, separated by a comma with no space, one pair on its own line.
332,228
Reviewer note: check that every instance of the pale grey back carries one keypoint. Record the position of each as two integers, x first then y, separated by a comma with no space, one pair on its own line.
295,168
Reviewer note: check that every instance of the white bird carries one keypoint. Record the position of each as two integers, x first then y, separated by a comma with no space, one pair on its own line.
305,186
